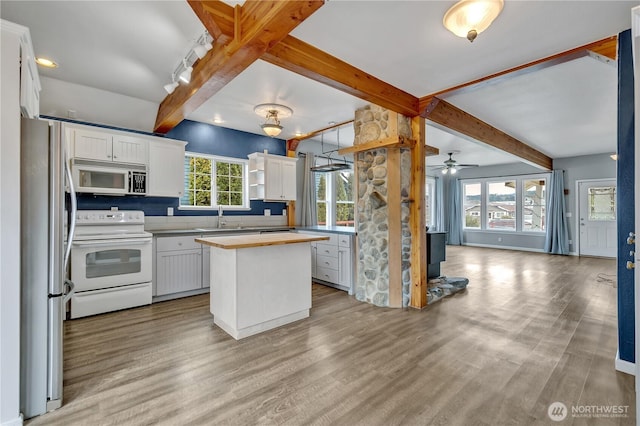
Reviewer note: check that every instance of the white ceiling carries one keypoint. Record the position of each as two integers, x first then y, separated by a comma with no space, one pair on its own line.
131,48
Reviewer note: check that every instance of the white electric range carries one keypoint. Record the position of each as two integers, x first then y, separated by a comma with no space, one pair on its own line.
111,262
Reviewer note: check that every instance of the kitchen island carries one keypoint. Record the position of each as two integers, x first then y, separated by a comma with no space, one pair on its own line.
260,281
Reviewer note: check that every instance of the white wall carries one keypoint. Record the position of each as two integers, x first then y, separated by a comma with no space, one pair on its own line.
96,105
10,225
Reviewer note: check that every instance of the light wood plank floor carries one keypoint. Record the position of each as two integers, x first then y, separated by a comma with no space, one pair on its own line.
531,329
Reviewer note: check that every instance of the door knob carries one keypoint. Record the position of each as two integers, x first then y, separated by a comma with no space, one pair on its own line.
630,264
631,239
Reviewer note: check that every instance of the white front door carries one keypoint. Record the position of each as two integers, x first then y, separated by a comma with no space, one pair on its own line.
597,218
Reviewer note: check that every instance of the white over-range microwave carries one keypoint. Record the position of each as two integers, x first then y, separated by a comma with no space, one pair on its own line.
104,178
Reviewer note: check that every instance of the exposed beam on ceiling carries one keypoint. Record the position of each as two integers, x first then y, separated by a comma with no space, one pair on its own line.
324,129
259,25
447,115
391,142
302,58
607,47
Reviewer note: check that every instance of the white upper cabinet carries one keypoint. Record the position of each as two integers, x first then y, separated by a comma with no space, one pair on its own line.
166,168
272,177
105,146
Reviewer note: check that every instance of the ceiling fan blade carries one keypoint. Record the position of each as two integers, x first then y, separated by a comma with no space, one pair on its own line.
467,165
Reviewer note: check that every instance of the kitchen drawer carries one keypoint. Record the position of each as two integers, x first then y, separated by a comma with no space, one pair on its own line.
344,240
326,274
327,262
186,242
327,250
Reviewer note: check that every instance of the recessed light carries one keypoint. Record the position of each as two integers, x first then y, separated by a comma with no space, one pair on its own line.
218,120
298,134
46,62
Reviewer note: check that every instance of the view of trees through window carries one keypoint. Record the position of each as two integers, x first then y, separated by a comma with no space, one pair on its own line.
229,183
321,198
334,198
344,199
210,182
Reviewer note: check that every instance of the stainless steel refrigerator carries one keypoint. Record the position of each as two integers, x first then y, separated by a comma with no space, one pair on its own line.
45,247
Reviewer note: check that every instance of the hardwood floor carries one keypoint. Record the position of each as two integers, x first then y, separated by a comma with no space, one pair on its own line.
530,329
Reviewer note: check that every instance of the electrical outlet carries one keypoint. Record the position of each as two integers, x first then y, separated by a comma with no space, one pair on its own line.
169,211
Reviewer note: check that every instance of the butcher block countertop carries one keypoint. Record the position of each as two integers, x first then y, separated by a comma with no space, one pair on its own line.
258,240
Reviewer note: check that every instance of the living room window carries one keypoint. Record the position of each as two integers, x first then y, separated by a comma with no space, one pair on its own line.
512,203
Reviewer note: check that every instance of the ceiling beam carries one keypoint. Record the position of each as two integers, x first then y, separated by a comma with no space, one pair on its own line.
447,115
302,58
324,129
607,47
258,25
391,142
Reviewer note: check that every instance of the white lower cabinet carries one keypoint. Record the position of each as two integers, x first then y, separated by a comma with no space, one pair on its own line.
332,260
179,266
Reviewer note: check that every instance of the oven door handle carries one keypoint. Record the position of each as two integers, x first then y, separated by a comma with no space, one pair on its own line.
117,242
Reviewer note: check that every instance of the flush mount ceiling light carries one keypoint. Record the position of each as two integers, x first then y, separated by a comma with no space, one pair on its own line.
273,113
46,62
468,18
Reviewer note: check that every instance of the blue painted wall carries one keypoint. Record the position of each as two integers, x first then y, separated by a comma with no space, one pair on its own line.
206,139
626,202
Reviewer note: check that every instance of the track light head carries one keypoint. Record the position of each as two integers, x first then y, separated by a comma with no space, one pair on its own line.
170,87
185,76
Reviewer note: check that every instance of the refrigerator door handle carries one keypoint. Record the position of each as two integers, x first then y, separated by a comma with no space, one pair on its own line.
74,210
70,292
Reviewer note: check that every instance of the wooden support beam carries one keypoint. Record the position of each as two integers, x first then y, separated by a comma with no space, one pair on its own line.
302,58
260,25
431,151
392,142
394,223
291,205
447,115
607,47
417,221
324,129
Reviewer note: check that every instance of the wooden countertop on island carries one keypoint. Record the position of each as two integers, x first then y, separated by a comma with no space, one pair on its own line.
258,240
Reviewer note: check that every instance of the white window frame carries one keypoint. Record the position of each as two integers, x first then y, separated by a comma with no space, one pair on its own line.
500,214
430,188
331,201
519,212
545,178
214,189
483,206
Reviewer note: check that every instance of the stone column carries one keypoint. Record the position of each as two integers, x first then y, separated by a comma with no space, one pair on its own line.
384,233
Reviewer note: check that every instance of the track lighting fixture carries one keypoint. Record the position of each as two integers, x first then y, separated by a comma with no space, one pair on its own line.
185,75
170,87
183,70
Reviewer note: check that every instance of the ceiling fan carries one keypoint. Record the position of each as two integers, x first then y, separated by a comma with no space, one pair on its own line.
451,166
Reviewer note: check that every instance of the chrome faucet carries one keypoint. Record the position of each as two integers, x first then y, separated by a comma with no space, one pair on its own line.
221,222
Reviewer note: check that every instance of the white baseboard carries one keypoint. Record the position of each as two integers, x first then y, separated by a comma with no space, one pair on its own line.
625,366
14,422
535,250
